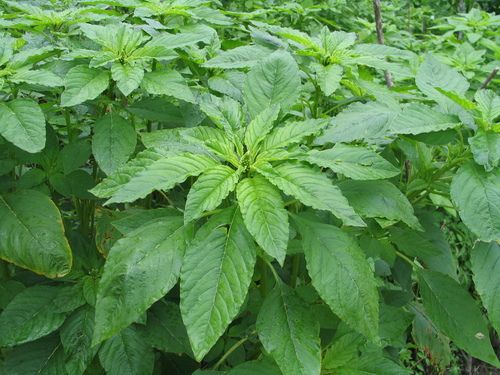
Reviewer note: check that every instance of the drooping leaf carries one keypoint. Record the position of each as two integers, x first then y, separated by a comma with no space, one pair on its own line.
113,142
127,353
379,199
169,83
209,190
289,333
239,57
30,315
32,234
292,133
334,258
217,271
477,198
329,77
354,162
83,83
485,259
264,215
22,122
312,188
456,314
140,269
418,118
128,77
275,80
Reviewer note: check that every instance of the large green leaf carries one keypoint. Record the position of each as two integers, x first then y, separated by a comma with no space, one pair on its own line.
485,259
292,132
355,162
113,142
76,338
30,315
455,313
264,215
275,81
217,271
379,199
289,332
477,198
418,118
149,172
488,103
128,77
127,353
83,83
239,57
485,147
32,234
312,188
209,190
260,126
22,122
334,258
169,83
141,268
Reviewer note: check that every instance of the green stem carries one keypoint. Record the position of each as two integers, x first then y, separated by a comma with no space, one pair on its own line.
229,352
273,271
411,262
295,270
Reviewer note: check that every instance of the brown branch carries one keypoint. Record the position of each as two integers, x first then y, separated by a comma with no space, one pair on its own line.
490,78
380,37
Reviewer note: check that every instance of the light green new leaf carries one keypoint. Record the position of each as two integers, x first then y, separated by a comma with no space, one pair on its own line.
76,338
22,122
354,162
485,147
376,199
140,269
312,188
456,313
289,332
188,35
264,215
329,78
128,77
30,315
32,234
137,179
489,104
217,271
477,198
127,353
209,190
275,80
169,83
485,259
418,118
334,258
113,142
260,126
292,132
239,57
83,83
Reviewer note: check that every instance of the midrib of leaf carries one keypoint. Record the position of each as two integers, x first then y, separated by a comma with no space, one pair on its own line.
44,364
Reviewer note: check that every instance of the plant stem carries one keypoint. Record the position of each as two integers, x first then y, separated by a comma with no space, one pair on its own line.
295,270
411,262
229,352
273,271
380,37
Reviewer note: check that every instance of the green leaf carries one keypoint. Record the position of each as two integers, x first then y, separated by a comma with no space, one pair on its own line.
260,126
485,147
128,77
433,74
376,199
329,78
165,330
76,338
334,258
264,215
208,192
259,367
32,234
82,83
312,188
29,316
275,80
239,57
113,142
456,314
292,132
169,83
127,353
22,123
354,162
131,283
142,175
476,195
360,121
289,332
485,259
418,118
37,77
188,35
217,271
489,104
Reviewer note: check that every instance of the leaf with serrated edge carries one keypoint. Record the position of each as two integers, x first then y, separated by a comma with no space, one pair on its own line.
82,83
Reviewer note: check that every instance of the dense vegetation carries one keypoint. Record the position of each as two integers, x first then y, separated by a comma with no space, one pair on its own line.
249,187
